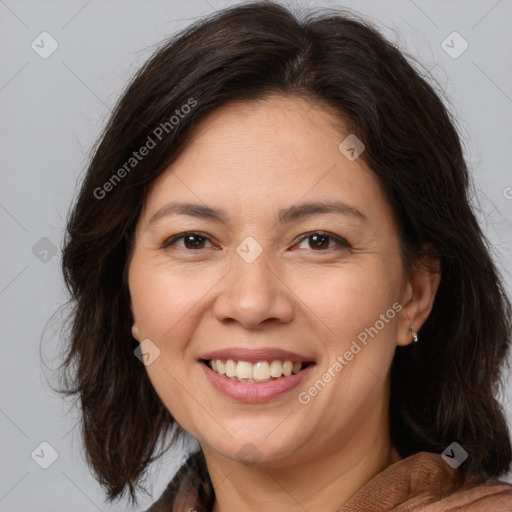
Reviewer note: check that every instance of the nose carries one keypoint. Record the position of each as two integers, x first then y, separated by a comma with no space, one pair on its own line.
252,294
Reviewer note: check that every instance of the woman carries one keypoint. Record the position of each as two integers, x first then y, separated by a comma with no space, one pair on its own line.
273,251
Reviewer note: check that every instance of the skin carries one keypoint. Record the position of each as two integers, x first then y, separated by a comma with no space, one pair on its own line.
251,160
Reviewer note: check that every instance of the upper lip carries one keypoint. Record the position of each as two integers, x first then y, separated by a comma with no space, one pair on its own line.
253,355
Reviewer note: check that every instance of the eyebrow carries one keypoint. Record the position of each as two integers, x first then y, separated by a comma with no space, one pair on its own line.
286,215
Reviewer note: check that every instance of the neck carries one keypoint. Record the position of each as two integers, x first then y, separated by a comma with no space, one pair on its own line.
324,481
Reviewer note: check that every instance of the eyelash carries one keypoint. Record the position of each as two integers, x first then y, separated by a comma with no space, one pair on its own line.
342,242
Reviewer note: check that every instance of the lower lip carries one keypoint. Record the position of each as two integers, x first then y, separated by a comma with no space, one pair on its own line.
251,392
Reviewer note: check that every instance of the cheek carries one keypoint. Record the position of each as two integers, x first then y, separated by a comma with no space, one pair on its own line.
353,308
162,299
349,298
162,305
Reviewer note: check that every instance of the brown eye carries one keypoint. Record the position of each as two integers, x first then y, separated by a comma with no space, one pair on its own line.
190,241
320,241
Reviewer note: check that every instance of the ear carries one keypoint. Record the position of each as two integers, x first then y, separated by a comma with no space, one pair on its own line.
135,327
135,331
418,294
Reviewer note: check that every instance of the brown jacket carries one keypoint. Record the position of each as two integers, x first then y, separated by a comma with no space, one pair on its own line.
423,482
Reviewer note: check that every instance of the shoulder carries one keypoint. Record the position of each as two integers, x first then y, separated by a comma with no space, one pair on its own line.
190,488
424,482
490,496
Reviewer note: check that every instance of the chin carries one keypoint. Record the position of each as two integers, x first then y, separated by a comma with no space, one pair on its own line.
258,450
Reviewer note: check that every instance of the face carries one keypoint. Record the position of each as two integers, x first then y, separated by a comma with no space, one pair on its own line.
267,250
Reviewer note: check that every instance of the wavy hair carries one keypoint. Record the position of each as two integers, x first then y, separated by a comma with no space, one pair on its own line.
443,389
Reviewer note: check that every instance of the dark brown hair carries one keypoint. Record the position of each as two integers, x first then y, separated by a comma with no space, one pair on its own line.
443,389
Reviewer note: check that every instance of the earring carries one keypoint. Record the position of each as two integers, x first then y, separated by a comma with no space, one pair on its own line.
414,334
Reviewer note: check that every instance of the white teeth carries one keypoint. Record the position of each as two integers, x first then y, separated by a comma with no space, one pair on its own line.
276,369
230,368
262,371
244,370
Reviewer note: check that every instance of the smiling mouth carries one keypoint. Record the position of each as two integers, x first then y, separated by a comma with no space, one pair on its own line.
259,372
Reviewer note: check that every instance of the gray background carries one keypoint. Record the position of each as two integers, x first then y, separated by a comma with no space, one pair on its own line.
52,111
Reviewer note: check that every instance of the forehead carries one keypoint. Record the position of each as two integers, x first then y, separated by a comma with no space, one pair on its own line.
268,154
290,131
